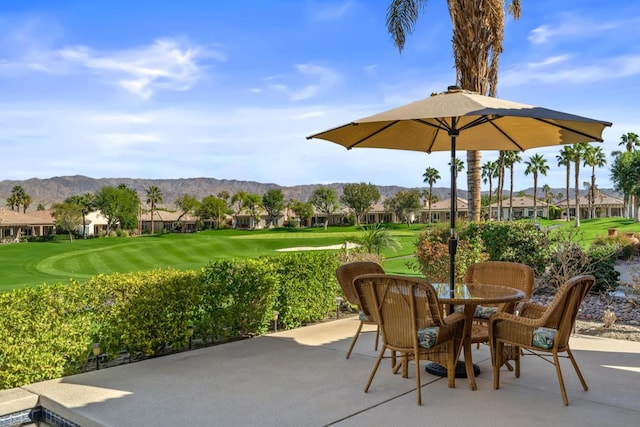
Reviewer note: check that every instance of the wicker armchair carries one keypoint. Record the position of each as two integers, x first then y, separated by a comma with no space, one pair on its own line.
345,274
541,331
503,273
408,312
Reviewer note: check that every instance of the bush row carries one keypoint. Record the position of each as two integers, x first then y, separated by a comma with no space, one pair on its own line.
47,331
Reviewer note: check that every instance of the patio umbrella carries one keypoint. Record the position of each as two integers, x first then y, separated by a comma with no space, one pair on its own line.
462,120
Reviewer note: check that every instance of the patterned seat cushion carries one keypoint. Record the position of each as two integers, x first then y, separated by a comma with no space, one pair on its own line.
543,337
427,337
484,312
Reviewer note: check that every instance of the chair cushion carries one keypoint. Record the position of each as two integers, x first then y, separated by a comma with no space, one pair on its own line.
363,317
543,337
427,337
484,312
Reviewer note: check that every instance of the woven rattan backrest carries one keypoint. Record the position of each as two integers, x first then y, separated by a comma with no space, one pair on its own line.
502,273
347,272
565,305
402,305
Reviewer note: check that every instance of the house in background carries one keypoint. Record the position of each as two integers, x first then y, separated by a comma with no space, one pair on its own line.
95,225
441,210
14,224
167,221
522,208
605,206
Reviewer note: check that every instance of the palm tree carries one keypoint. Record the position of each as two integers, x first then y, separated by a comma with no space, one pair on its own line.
577,151
499,191
154,196
431,175
478,31
594,157
536,164
510,159
630,141
564,159
546,189
489,171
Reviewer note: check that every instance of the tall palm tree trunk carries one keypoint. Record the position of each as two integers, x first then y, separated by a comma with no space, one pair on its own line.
511,196
577,195
568,185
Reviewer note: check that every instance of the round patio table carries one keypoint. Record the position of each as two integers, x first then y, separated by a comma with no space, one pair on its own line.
470,296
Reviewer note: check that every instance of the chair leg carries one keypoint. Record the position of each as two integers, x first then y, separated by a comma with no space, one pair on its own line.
355,338
518,353
556,362
375,367
416,361
575,366
497,363
451,365
377,337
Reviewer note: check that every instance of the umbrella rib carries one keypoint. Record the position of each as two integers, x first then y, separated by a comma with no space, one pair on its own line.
372,134
505,135
595,138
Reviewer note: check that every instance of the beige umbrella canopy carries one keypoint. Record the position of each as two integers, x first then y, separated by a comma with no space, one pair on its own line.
464,120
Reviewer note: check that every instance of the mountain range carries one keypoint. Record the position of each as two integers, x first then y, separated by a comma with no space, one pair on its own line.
56,189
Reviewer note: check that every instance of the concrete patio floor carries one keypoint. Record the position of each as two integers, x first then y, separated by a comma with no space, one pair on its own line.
301,377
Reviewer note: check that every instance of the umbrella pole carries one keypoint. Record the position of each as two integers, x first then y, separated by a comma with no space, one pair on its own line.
453,240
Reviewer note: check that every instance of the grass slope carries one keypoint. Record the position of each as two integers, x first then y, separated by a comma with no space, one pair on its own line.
29,264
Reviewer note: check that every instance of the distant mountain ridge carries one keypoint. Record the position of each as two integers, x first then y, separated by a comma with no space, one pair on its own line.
56,189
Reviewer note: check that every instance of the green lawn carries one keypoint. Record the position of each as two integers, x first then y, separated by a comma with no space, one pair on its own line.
33,263
28,264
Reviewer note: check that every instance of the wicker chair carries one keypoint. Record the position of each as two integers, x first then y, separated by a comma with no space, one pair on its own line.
502,273
408,312
541,331
345,274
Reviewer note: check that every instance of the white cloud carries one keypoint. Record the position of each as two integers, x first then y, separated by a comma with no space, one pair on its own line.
580,27
333,12
310,81
164,65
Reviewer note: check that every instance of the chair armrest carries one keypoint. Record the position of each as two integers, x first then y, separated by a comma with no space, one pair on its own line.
532,310
453,318
512,318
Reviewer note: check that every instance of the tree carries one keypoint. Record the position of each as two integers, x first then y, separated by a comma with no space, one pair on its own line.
564,159
252,203
594,157
490,171
625,173
376,238
18,198
237,202
536,165
431,176
211,208
577,151
359,198
273,203
187,204
119,205
405,205
629,141
478,31
88,203
40,207
154,196
325,200
67,216
303,211
510,160
546,189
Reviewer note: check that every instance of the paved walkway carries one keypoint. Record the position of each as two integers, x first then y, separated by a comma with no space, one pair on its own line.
301,377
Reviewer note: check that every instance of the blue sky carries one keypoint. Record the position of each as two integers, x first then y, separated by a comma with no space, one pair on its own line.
230,90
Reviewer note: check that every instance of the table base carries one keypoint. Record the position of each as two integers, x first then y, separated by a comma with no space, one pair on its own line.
441,371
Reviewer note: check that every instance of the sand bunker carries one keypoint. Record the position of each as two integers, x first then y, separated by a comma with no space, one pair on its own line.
349,245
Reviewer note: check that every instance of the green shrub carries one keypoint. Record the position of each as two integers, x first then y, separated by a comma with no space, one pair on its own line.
236,299
603,261
308,287
624,246
44,333
517,241
143,312
432,252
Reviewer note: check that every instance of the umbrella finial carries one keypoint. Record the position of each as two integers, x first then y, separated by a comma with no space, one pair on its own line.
454,88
